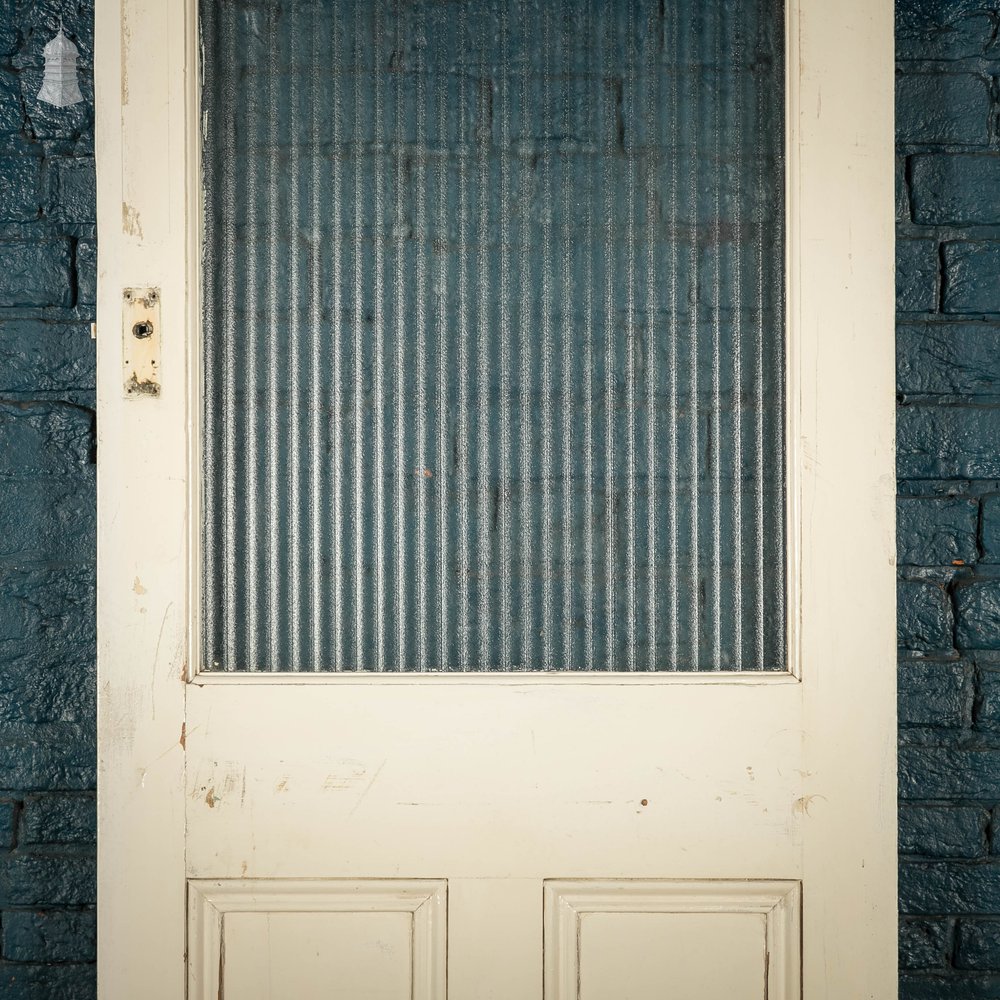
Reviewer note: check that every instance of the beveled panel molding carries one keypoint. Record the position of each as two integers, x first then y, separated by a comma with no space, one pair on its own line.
568,902
211,901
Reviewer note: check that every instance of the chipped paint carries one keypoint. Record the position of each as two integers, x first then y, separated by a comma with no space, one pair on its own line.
141,336
133,387
126,40
131,221
803,804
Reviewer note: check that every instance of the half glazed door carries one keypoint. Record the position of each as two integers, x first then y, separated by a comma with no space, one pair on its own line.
496,590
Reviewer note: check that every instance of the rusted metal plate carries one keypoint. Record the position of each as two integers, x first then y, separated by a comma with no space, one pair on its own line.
141,342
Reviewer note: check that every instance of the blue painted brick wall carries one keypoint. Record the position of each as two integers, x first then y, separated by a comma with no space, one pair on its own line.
47,515
948,380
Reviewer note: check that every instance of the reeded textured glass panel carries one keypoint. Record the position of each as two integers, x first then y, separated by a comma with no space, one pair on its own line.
493,324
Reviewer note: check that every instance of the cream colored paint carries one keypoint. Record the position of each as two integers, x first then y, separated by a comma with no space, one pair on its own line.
686,940
313,940
501,793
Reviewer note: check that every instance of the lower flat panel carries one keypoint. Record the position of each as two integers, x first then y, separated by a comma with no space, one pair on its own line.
496,781
652,955
646,940
267,939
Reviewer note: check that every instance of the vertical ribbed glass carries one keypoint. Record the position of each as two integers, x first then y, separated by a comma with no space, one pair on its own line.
494,335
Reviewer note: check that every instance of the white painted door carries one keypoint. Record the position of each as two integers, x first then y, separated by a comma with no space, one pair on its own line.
509,835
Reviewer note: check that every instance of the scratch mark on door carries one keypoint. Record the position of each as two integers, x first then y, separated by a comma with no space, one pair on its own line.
367,788
156,659
222,962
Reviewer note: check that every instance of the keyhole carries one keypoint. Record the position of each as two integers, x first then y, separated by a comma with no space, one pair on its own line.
142,330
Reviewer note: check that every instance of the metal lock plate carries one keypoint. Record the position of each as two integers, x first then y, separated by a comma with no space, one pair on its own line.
141,342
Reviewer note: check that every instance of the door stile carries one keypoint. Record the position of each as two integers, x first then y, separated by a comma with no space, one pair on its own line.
146,211
843,216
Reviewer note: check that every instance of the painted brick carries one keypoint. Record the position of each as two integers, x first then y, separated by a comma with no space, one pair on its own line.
977,945
925,944
58,818
994,831
972,277
73,190
11,110
44,439
47,515
935,887
34,879
960,188
947,442
943,29
48,755
977,608
942,831
947,773
48,604
35,273
47,122
36,690
36,356
47,982
41,17
938,108
917,267
49,936
8,821
86,272
935,694
948,987
923,616
20,188
62,524
10,35
46,612
988,701
936,531
955,358
991,529
902,192
942,104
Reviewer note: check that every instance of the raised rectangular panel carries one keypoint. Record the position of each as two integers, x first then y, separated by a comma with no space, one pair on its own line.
671,954
646,940
267,939
145,92
317,955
